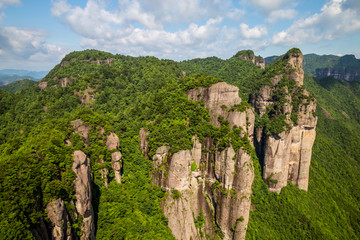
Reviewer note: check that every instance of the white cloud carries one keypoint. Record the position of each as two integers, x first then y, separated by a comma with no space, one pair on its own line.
335,20
158,41
59,8
5,3
282,14
270,5
139,27
174,11
255,32
236,14
357,54
22,46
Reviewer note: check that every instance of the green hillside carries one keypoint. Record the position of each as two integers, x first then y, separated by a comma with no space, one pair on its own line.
122,94
18,85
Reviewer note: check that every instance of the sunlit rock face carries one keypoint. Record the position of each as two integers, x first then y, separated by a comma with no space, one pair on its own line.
209,190
81,167
287,156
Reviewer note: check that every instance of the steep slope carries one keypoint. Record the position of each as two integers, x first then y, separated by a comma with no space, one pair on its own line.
285,131
116,147
330,208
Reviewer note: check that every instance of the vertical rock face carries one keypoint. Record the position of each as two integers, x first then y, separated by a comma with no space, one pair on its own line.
249,55
209,190
222,99
339,74
59,218
113,143
81,167
287,155
144,146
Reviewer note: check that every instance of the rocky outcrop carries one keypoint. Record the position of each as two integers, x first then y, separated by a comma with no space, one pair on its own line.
113,143
212,186
223,101
81,167
81,129
87,96
339,74
286,156
61,228
209,190
65,81
144,146
42,85
249,55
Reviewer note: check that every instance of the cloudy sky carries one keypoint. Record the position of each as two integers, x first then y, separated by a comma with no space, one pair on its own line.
35,35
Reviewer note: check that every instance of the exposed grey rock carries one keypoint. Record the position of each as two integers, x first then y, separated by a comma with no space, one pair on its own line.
113,143
56,212
144,146
83,130
81,167
42,85
339,74
287,155
228,205
220,98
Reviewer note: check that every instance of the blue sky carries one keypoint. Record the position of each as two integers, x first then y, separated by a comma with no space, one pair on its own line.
36,35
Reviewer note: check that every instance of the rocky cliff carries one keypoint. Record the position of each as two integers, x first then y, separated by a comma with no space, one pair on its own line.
209,189
62,218
83,194
249,55
284,140
339,74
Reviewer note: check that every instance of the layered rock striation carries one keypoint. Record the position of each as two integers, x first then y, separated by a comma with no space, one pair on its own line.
286,154
61,217
339,74
81,167
209,189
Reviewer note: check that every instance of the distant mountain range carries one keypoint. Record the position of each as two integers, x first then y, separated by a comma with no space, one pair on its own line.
346,67
11,75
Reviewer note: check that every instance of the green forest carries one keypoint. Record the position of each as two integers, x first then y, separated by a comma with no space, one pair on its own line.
122,94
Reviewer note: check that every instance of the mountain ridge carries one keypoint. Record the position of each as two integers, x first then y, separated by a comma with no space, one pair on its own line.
109,111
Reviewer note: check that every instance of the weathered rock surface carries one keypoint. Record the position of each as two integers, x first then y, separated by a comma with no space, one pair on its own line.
42,85
87,96
339,74
249,55
61,228
113,143
220,192
214,185
83,130
220,98
287,156
144,146
81,167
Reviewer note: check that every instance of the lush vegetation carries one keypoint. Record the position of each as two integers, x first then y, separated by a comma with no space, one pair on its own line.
330,209
18,85
345,64
132,93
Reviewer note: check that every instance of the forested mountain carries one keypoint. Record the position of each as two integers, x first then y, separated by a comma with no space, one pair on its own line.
118,147
18,85
346,67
